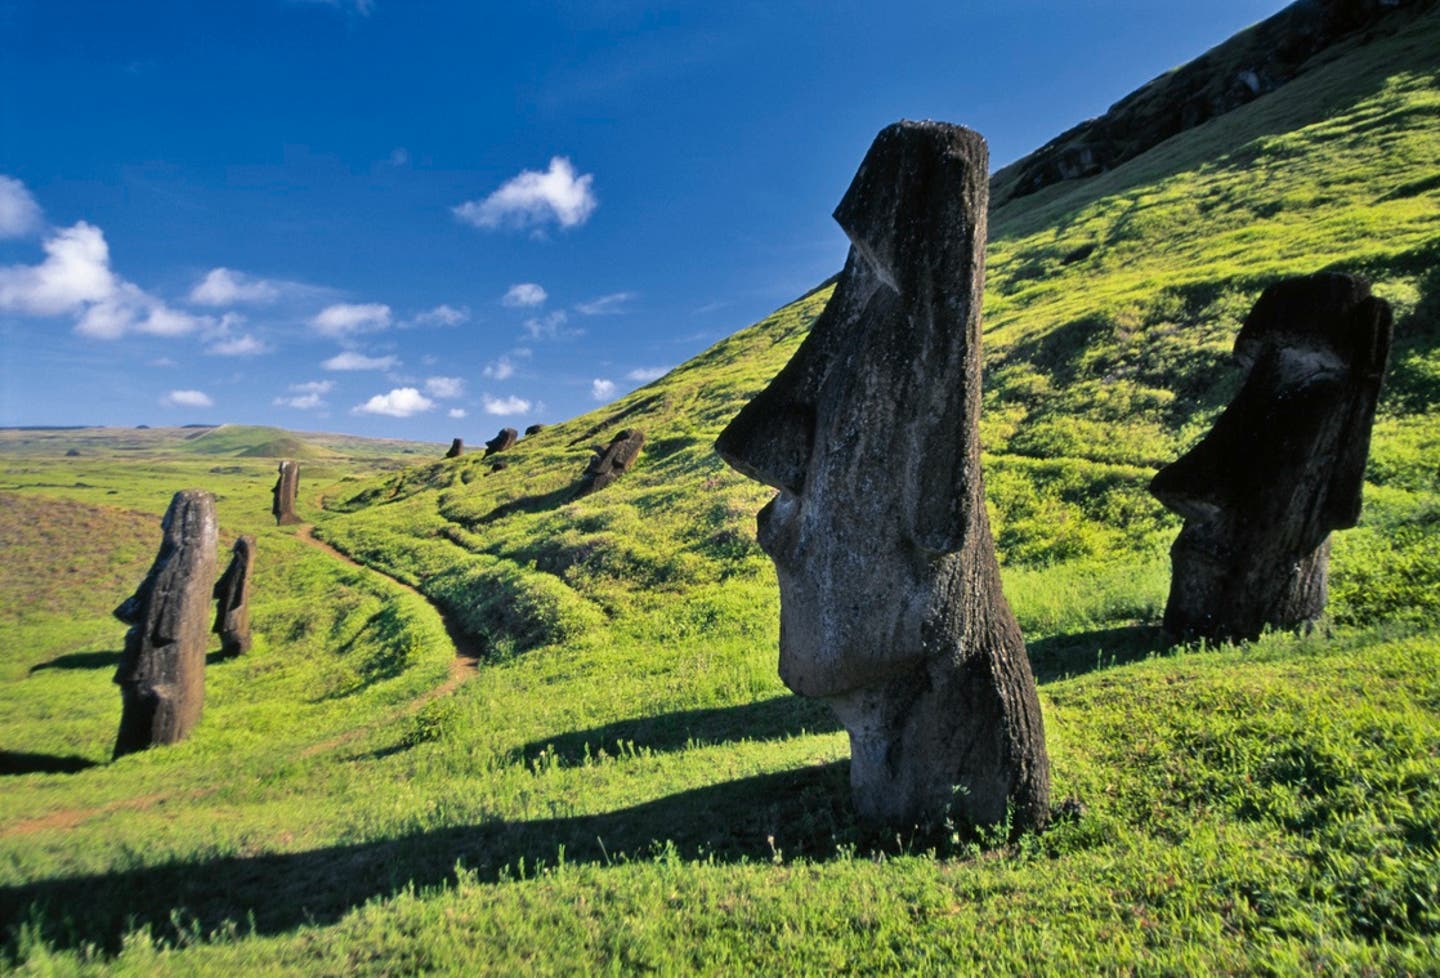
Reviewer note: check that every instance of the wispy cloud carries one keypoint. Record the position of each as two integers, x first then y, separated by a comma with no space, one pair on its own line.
346,319
501,369
550,326
445,388
362,7
441,315
350,360
238,346
457,412
227,287
607,305
601,389
307,396
20,215
505,406
646,374
524,294
534,199
187,398
402,402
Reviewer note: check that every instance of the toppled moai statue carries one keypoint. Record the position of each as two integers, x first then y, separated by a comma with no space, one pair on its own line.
534,429
162,670
457,448
611,461
890,601
232,592
286,487
1282,467
501,442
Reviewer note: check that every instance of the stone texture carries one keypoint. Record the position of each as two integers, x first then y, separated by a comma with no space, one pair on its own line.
232,592
286,488
534,429
1283,465
457,448
501,442
890,601
162,669
611,461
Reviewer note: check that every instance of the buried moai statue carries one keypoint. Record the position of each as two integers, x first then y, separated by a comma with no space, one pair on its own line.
501,442
611,461
162,670
1282,467
457,448
286,487
232,594
890,601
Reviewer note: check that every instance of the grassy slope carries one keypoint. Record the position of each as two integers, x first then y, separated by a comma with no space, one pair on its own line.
1272,807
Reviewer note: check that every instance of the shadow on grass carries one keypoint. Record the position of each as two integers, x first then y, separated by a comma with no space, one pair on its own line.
79,660
772,719
15,762
531,504
1072,655
800,812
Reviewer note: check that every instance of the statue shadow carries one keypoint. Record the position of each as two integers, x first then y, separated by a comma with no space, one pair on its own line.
803,812
539,503
1065,656
79,660
19,762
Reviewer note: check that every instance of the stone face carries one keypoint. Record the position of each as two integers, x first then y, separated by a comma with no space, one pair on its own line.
890,601
162,670
501,442
232,592
534,429
457,448
1283,465
286,487
611,461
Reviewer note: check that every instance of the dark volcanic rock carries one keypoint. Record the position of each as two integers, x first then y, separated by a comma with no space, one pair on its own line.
457,448
890,599
534,429
611,461
286,487
232,592
162,670
1282,467
501,442
499,465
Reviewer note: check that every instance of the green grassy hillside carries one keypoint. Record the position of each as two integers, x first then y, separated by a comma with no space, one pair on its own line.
624,785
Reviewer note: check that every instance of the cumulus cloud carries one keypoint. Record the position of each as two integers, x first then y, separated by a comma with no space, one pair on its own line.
226,287
346,318
238,346
606,305
645,374
524,294
445,387
307,396
601,389
402,402
457,413
19,214
441,315
533,198
548,327
350,360
504,406
187,399
501,369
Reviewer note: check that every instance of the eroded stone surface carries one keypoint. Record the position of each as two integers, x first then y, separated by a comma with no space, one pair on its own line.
232,594
890,600
611,461
534,429
501,442
1283,465
457,448
286,488
162,669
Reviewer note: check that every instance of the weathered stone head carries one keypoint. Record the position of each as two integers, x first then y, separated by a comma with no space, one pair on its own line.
890,600
502,442
232,597
162,669
611,461
287,486
457,448
1284,464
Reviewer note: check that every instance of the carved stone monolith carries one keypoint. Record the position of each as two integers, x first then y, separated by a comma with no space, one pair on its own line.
890,601
286,488
534,429
232,592
1282,467
457,448
162,670
501,442
611,461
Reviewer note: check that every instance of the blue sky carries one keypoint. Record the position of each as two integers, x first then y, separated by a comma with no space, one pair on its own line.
423,219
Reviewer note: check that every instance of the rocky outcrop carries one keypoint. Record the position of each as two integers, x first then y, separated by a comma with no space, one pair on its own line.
232,594
162,669
287,486
1283,465
890,601
457,448
501,442
611,461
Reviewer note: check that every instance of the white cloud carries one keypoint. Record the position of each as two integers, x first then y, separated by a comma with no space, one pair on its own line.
238,346
501,369
345,318
187,399
643,374
457,412
226,287
307,396
350,360
441,315
606,305
602,390
402,402
362,7
445,387
535,198
523,295
163,362
19,214
506,405
549,326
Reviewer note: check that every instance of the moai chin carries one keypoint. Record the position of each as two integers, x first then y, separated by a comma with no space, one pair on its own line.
457,448
890,599
611,461
501,442
232,592
1282,467
162,670
286,487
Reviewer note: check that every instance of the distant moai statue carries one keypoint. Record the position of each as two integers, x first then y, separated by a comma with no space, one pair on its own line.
457,448
232,592
286,487
1282,467
611,461
890,602
534,429
162,670
501,442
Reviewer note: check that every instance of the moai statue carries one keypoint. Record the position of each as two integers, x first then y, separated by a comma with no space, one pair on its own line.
457,448
232,591
501,442
534,429
1282,467
162,670
612,461
890,601
286,486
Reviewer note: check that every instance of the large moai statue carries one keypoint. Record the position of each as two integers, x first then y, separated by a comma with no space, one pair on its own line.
232,594
162,670
890,601
286,487
457,448
611,461
501,442
1282,467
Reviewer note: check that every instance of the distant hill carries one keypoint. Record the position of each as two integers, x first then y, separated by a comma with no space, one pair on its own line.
232,441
